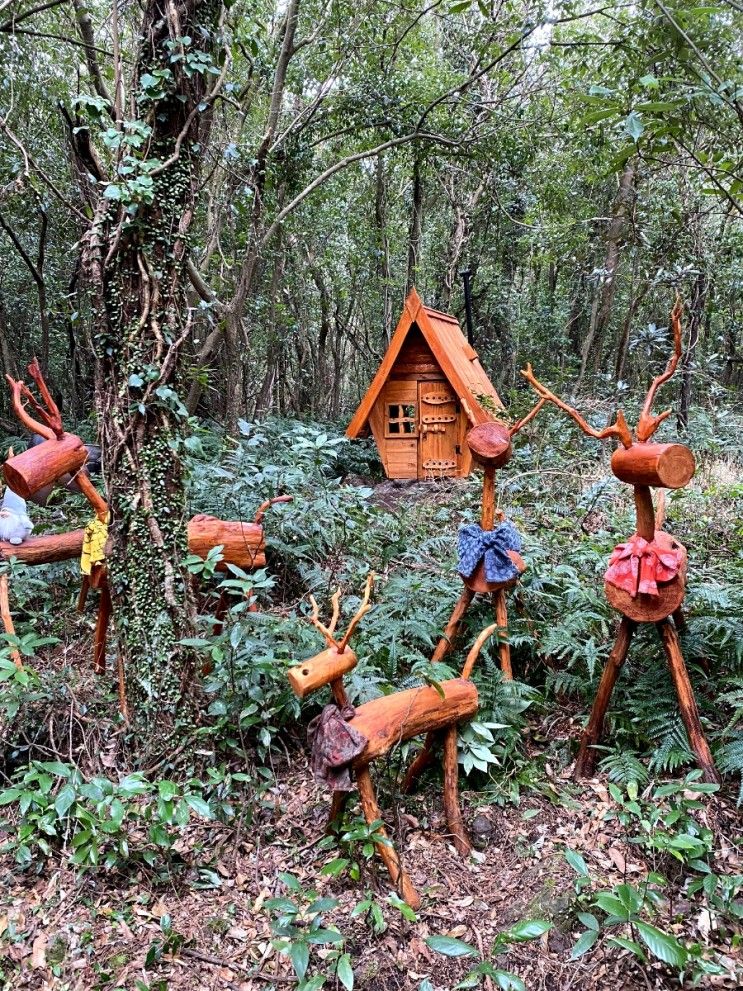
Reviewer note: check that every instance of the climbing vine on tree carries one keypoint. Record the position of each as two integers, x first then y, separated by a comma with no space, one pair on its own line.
134,254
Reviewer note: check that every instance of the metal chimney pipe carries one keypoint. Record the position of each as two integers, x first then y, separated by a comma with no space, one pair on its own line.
466,276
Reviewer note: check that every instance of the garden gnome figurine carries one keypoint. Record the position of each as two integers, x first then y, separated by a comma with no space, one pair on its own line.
15,525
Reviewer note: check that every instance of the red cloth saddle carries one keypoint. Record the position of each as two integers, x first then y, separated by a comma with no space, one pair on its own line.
638,565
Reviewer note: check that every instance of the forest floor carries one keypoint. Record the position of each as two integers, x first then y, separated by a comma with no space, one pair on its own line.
63,931
201,917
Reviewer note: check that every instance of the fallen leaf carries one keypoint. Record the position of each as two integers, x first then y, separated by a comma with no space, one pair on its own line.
159,909
618,859
38,953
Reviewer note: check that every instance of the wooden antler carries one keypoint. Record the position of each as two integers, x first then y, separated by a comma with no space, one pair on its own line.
51,419
520,424
618,429
326,631
363,610
17,390
336,600
261,511
647,423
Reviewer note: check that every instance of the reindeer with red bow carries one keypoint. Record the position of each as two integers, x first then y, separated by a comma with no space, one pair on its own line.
646,577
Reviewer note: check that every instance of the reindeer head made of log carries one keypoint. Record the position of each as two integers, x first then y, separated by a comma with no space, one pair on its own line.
59,454
329,666
637,461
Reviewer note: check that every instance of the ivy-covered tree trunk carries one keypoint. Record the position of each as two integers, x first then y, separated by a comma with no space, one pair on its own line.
135,257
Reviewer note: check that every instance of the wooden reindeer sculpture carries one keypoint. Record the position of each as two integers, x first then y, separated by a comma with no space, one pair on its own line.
63,455
490,444
345,739
491,447
646,577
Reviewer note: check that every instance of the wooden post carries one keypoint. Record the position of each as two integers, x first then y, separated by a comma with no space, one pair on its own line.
387,852
422,760
645,512
101,630
585,765
446,643
487,518
83,596
8,620
504,647
679,619
687,702
451,793
337,807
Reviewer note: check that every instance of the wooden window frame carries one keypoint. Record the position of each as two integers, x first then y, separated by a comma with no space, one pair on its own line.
400,419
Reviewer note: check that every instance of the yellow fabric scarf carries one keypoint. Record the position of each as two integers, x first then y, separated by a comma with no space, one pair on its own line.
94,545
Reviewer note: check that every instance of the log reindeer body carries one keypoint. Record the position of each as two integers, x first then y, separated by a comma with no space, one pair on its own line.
354,738
491,446
646,577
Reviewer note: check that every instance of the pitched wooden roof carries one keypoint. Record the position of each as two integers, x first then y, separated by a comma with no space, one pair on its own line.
457,358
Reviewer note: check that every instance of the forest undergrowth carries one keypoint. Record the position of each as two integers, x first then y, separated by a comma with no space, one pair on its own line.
210,869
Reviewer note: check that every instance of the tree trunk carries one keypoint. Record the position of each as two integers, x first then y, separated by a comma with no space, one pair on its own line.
10,366
416,226
383,265
233,371
696,317
607,287
636,297
137,274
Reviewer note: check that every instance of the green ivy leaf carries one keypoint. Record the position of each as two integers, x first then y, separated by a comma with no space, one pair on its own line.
522,932
299,954
64,800
576,862
199,806
634,126
628,944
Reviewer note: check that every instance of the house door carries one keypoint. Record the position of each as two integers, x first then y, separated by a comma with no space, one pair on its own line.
437,449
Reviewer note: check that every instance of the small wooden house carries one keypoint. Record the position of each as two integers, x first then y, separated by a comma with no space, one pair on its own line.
429,390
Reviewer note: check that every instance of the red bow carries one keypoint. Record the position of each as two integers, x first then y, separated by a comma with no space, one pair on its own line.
638,566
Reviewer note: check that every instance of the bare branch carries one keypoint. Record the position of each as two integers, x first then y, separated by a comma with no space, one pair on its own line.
343,163
618,429
9,26
35,272
85,27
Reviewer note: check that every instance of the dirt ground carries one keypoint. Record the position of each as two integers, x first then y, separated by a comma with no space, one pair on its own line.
95,932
